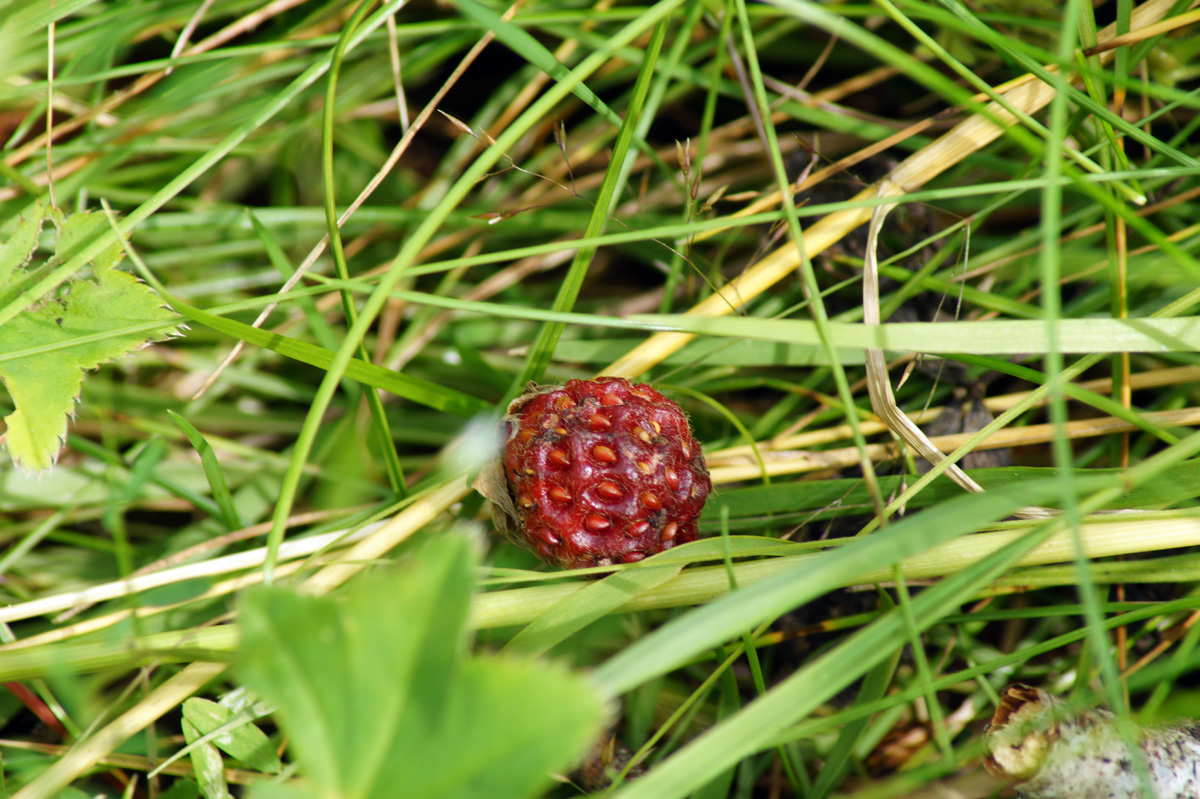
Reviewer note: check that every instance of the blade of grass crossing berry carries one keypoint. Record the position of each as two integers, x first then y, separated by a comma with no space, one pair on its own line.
212,471
414,243
803,692
680,640
577,610
379,423
708,583
543,347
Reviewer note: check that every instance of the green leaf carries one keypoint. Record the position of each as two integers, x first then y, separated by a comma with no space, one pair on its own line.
376,691
206,762
16,252
507,725
241,739
95,319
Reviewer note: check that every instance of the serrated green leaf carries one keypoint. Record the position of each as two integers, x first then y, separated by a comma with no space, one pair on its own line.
342,676
79,230
206,763
16,252
376,691
242,740
90,317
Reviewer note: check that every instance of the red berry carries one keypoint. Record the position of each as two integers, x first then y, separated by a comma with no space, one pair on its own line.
602,471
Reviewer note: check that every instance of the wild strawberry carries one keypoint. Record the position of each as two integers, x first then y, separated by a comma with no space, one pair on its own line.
602,471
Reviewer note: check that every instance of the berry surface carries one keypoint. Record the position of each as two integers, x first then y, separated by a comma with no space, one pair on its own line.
602,471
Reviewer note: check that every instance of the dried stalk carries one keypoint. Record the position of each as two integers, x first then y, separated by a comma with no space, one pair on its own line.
1055,751
745,467
879,387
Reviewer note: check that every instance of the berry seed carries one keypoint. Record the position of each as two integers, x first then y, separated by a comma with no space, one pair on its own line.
609,490
604,454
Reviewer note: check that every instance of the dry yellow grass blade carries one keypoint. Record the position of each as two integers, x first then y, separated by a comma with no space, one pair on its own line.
879,386
1114,535
85,754
744,453
136,762
728,470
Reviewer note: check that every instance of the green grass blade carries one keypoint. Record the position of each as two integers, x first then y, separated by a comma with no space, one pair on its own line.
212,471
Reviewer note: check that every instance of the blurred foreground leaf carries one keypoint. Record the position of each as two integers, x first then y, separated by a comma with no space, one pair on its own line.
378,691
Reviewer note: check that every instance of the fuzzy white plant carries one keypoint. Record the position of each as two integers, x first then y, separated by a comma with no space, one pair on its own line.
1053,750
